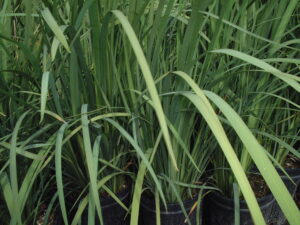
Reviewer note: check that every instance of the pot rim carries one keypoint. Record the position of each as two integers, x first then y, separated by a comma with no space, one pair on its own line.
228,203
148,203
108,201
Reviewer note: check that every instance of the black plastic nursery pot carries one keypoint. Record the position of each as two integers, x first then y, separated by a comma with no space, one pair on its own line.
172,216
219,210
112,212
294,175
278,216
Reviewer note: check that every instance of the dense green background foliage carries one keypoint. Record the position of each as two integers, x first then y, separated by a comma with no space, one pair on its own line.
173,96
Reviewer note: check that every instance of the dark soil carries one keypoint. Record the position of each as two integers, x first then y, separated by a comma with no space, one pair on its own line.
258,185
292,162
41,217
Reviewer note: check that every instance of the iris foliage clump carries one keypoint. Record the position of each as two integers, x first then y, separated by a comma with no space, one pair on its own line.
168,97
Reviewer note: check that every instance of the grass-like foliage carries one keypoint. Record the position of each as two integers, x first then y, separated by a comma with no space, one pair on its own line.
169,98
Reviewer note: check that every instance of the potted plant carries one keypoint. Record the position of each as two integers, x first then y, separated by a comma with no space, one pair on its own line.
284,138
24,162
213,123
166,111
91,161
92,172
24,150
251,97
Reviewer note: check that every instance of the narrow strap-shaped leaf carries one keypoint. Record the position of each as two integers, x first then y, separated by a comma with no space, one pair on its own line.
114,196
91,209
30,177
21,151
55,43
84,201
44,93
7,193
286,17
87,4
202,104
136,199
236,198
179,199
263,65
244,30
50,207
90,161
55,28
261,160
141,154
58,172
174,132
157,208
13,169
149,81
